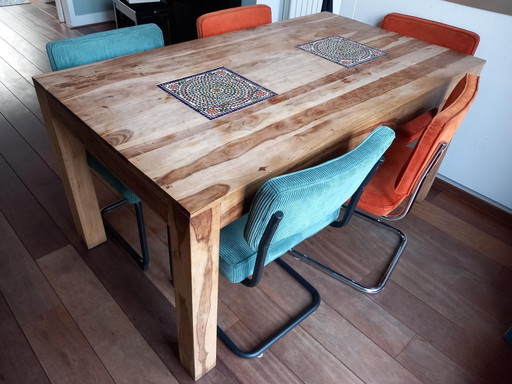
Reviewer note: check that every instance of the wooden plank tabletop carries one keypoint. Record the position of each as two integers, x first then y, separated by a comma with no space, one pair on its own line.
322,109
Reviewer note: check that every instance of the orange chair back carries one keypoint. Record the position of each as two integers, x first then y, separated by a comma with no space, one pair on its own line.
399,178
432,32
233,19
440,130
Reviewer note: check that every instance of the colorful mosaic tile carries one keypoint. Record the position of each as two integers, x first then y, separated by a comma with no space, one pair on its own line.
342,51
216,92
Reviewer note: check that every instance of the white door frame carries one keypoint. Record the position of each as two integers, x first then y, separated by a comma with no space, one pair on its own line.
73,20
60,11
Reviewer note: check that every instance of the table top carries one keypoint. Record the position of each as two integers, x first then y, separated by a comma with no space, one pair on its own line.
169,153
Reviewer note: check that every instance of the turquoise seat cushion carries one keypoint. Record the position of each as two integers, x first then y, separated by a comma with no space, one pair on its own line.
101,46
309,200
237,259
120,187
307,195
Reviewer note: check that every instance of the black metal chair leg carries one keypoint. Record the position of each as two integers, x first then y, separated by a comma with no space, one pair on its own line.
141,259
385,277
142,236
287,328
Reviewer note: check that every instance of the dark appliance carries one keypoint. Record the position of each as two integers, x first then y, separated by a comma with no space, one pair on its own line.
176,18
184,13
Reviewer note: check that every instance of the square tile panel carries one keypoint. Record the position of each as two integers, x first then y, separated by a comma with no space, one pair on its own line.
216,92
342,51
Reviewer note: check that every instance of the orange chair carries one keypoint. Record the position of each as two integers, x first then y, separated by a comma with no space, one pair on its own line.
392,189
233,19
432,32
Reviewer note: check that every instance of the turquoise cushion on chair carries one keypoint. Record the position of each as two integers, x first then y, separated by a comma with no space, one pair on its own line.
237,259
101,46
309,199
120,187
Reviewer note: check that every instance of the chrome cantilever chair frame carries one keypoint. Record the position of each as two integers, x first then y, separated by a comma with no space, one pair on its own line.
347,280
350,209
255,279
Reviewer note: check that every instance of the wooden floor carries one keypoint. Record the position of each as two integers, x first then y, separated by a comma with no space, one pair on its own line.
68,315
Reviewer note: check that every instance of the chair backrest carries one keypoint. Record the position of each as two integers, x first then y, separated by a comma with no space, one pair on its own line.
310,199
432,32
441,129
103,45
233,19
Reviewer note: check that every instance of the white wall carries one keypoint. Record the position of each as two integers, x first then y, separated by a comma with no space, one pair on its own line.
479,159
276,6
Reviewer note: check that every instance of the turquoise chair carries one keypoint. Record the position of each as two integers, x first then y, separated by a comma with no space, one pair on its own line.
100,46
287,210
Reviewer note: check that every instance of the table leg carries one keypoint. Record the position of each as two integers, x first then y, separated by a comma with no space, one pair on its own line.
195,265
76,177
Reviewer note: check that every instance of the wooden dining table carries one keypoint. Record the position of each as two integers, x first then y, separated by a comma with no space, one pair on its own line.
199,174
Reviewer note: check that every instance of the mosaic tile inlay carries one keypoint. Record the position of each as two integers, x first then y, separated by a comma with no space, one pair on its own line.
342,51
216,92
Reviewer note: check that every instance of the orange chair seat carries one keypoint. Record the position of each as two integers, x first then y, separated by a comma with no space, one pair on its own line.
380,196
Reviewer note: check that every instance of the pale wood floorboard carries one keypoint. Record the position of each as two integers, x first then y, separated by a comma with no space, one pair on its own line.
69,315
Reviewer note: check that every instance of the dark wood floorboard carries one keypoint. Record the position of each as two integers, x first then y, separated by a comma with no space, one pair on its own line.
18,363
109,331
60,346
28,219
70,315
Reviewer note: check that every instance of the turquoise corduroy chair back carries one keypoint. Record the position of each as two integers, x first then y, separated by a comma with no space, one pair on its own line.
309,199
101,46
